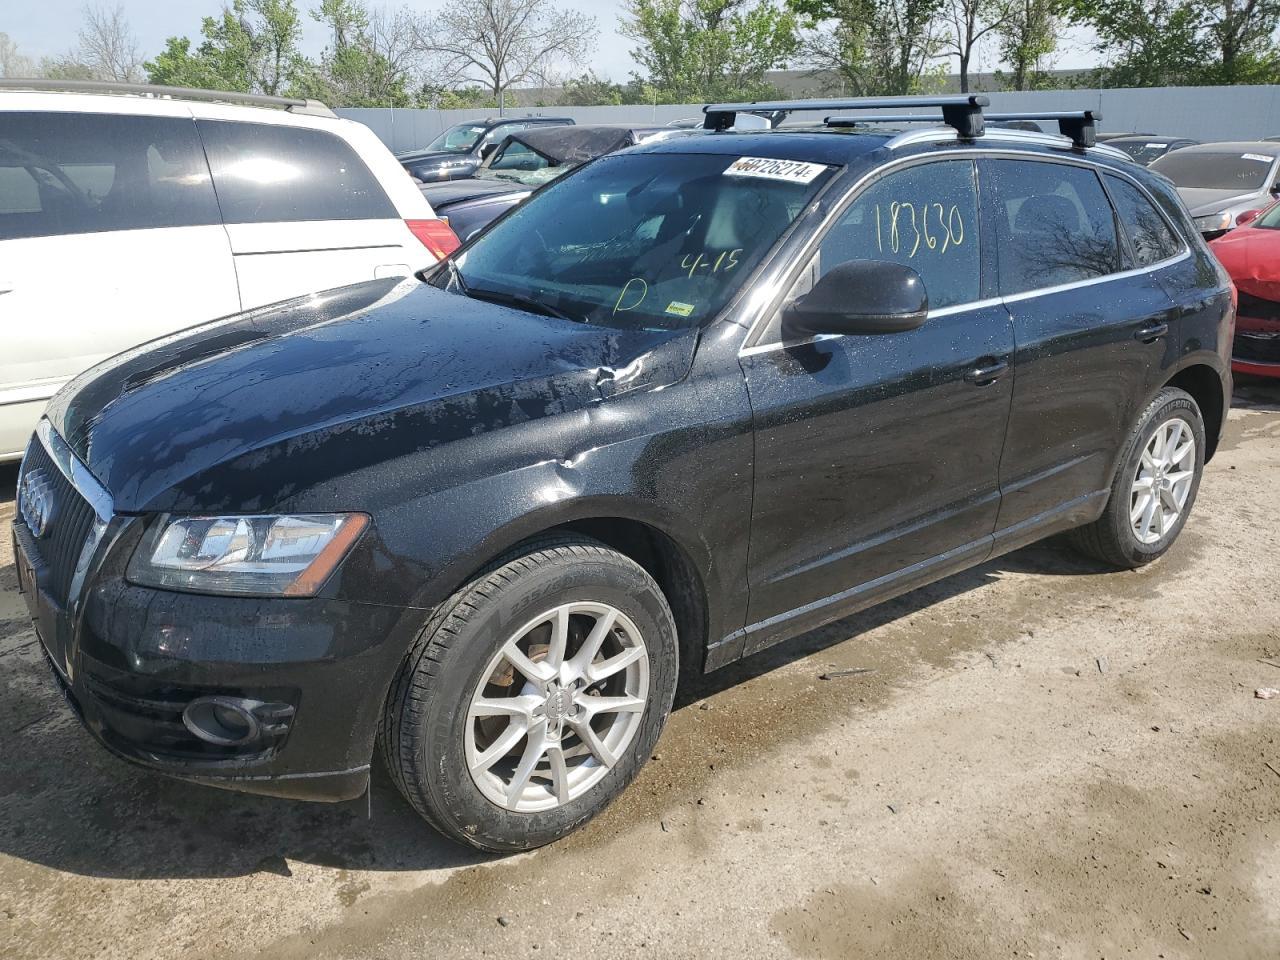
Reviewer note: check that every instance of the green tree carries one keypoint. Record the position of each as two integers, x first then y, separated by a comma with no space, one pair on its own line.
1158,42
252,47
589,90
371,61
698,50
1027,37
874,47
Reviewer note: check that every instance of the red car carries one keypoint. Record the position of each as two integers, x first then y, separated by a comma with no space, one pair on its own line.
1251,254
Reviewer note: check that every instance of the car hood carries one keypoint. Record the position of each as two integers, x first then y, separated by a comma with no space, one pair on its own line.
435,156
324,384
1252,258
1202,202
467,188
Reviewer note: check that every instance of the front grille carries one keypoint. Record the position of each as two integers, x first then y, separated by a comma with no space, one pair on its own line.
1257,307
70,522
1255,347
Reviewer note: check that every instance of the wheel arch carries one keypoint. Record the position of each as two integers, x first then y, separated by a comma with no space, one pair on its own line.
638,531
1205,385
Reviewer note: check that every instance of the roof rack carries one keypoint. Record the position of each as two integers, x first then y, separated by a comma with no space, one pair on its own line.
964,113
291,104
1079,126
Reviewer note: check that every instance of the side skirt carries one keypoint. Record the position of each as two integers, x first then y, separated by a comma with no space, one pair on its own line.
766,633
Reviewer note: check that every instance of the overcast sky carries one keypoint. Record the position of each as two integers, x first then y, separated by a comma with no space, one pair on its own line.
48,27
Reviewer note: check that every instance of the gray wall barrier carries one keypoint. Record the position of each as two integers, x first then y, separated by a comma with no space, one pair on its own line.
1202,113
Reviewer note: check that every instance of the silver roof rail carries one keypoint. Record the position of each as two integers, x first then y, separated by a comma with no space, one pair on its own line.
309,107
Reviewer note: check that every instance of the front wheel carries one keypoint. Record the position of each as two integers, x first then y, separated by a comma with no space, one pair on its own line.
1155,485
533,696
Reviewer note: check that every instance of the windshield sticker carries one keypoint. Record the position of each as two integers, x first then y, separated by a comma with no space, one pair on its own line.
1261,158
1156,146
792,171
679,309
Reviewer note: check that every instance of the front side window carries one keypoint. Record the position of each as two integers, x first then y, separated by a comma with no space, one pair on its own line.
1149,235
516,156
925,217
69,173
1054,222
268,173
643,241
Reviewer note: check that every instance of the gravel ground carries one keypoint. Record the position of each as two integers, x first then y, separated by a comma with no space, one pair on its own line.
1050,760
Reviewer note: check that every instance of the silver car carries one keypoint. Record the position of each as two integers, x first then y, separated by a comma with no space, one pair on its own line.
1220,181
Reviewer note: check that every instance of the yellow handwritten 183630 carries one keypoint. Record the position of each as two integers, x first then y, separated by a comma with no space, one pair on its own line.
903,227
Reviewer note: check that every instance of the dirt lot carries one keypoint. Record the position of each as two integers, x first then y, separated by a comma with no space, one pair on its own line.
1050,761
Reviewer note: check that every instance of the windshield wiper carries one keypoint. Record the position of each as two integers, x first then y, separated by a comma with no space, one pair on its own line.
521,303
456,276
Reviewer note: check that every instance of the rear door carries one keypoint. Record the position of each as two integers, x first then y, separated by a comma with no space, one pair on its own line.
302,211
109,236
877,457
1092,332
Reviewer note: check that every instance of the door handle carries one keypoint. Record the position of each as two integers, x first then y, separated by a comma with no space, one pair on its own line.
987,372
1151,331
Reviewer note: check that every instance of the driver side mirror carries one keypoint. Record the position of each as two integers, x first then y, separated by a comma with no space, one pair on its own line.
1247,217
859,296
487,149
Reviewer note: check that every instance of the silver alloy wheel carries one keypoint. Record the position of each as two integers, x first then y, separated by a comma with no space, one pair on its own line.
1163,480
557,706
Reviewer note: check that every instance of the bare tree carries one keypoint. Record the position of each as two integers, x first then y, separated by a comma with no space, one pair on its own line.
107,50
968,21
497,44
108,46
13,63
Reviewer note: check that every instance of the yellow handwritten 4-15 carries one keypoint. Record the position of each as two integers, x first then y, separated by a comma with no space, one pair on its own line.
703,261
904,226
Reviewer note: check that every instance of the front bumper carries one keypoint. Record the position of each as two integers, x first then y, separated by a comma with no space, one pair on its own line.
1256,348
130,659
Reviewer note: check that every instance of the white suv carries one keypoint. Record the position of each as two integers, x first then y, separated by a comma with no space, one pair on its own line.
129,212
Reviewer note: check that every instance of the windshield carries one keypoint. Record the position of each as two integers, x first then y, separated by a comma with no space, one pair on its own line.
1242,172
653,241
1270,219
1144,151
459,138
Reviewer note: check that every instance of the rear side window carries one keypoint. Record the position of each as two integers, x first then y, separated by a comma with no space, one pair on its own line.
1056,225
70,173
1149,234
267,173
926,217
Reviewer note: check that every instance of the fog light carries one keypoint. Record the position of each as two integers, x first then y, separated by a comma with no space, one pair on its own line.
226,721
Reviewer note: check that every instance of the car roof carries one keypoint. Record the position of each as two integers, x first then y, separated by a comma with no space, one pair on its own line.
1235,146
1145,138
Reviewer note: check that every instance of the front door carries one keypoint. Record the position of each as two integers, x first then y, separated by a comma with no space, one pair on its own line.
877,457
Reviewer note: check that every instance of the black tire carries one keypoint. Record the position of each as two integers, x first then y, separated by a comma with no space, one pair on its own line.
425,719
1111,537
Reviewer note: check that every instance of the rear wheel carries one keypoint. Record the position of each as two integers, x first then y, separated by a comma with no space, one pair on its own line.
533,696
1155,485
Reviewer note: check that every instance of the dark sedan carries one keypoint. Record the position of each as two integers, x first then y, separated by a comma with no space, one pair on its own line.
459,150
1146,149
526,160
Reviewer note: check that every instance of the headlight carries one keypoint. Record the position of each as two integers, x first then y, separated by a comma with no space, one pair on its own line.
258,556
1214,222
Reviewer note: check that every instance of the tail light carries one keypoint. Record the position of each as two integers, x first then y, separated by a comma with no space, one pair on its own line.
436,235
